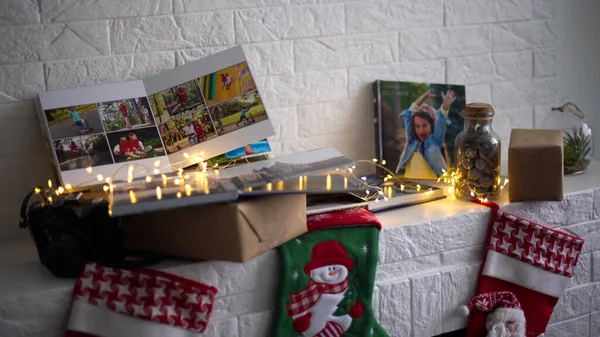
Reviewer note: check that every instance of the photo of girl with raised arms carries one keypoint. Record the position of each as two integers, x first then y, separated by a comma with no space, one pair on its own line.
417,126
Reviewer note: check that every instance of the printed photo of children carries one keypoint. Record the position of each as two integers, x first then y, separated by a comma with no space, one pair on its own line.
227,83
249,153
82,152
189,130
135,144
238,112
419,122
73,121
176,101
125,114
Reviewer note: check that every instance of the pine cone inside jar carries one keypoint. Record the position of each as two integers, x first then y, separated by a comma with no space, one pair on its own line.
485,181
467,163
470,152
480,164
474,174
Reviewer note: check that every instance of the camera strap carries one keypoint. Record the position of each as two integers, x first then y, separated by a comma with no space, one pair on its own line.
24,205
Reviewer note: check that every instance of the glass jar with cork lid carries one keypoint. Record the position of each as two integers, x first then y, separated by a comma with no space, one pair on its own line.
478,154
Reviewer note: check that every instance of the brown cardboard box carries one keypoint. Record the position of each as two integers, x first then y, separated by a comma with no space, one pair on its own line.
535,165
231,232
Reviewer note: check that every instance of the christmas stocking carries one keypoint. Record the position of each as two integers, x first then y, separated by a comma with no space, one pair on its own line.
526,269
113,302
327,278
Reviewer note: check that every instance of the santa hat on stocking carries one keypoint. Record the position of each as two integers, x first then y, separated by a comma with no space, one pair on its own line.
501,306
328,253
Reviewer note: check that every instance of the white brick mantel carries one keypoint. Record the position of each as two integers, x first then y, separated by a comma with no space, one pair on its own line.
429,259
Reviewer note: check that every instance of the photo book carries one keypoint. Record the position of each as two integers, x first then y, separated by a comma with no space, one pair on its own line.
313,172
393,196
209,108
415,127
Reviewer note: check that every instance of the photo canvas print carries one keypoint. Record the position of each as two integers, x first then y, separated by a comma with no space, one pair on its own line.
182,116
416,125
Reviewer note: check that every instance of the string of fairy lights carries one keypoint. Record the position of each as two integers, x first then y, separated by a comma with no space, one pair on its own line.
449,181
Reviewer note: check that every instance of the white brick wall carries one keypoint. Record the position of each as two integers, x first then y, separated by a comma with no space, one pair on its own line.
314,60
426,271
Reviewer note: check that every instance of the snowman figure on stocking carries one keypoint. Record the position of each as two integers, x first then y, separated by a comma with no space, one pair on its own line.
313,308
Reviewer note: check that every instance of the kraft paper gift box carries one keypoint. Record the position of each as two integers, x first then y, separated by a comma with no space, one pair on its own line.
535,165
233,232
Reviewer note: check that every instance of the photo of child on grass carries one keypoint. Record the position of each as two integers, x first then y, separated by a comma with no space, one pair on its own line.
125,114
238,112
73,121
176,101
249,153
135,144
81,152
188,130
419,122
227,83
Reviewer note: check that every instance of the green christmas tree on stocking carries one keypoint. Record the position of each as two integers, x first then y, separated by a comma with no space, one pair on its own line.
327,278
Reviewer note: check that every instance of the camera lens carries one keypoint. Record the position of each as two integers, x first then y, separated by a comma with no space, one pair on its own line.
66,256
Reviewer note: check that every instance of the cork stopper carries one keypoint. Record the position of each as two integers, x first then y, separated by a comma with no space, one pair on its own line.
478,111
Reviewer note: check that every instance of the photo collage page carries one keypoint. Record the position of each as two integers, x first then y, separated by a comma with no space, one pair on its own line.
105,133
208,107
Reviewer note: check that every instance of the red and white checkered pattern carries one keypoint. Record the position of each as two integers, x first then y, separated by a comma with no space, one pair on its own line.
147,294
306,298
537,245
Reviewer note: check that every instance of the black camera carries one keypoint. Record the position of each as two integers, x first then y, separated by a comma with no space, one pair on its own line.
70,230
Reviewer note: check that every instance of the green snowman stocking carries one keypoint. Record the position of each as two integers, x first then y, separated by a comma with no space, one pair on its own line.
327,278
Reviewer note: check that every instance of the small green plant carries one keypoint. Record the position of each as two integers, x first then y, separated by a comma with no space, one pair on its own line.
577,148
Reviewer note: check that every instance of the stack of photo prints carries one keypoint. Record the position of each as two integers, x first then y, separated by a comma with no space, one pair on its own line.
208,108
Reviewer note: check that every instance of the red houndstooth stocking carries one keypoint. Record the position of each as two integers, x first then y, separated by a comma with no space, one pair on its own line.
529,260
111,302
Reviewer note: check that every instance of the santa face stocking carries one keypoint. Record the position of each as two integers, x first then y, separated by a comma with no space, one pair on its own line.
528,260
111,302
327,278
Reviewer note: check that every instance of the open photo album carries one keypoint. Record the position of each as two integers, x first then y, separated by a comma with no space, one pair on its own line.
312,172
203,109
